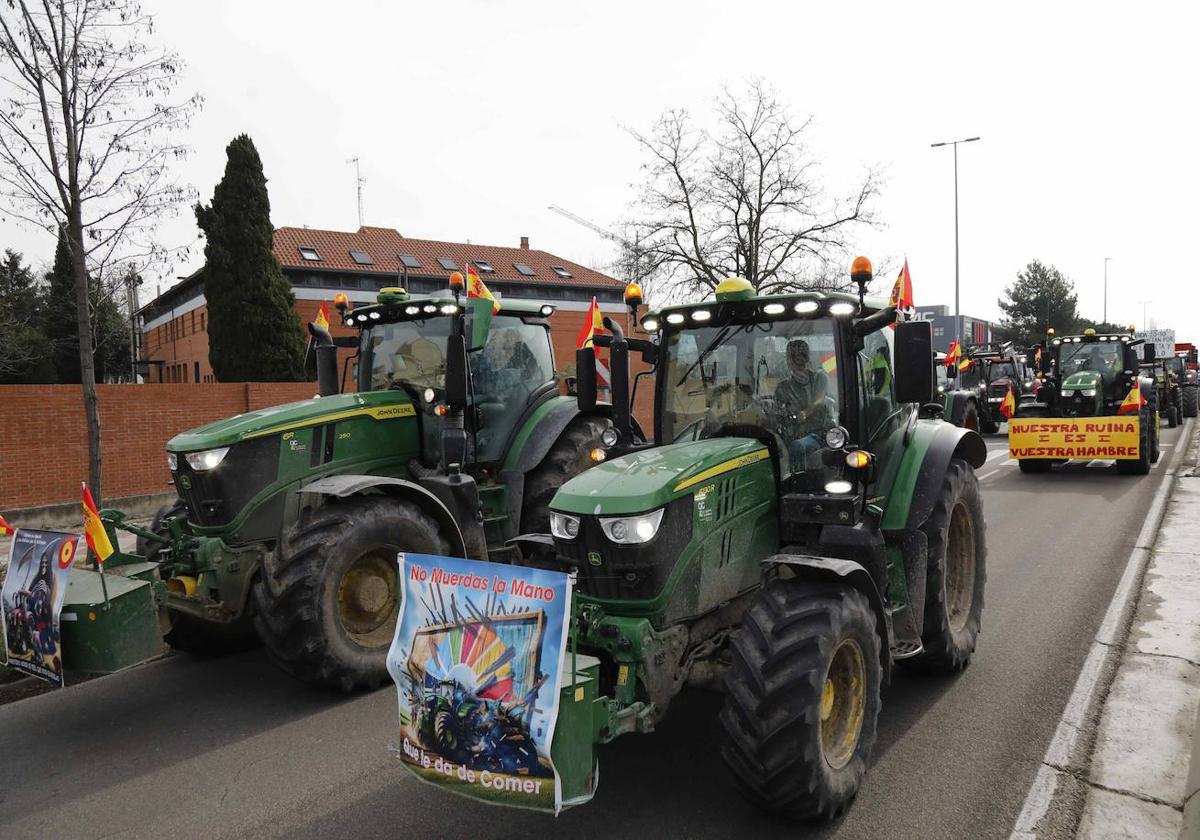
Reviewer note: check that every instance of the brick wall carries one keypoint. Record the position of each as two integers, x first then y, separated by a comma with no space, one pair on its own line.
43,443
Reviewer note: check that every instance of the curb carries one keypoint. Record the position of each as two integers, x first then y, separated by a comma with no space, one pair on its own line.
1191,806
1062,777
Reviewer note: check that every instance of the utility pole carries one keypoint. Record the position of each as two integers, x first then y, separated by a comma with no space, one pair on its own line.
132,281
1144,303
1107,260
359,180
957,312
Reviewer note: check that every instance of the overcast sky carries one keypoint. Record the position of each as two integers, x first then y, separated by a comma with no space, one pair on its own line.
470,118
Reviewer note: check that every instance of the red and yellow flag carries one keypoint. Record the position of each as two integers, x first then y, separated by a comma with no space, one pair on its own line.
954,355
1009,407
1133,402
902,292
965,364
829,364
593,324
322,319
5,528
476,288
93,528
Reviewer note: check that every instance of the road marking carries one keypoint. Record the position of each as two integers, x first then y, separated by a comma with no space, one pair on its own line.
1057,763
999,453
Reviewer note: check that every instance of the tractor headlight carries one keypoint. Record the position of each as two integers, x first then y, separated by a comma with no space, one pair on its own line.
1088,392
172,461
564,526
630,530
1068,392
836,437
206,459
609,437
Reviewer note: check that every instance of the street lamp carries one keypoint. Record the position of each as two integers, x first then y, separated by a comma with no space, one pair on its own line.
1144,303
1107,260
957,314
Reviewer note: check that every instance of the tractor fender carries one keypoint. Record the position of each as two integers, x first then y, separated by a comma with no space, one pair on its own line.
343,486
923,469
847,573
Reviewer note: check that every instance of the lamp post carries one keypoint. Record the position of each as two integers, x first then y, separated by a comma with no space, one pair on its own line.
1107,260
957,313
1144,304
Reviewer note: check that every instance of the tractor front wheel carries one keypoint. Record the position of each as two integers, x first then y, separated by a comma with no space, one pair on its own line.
1147,443
568,457
1034,465
802,698
150,549
1188,400
1172,416
328,596
957,571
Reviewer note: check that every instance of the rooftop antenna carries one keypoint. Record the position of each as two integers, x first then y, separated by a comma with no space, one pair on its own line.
359,181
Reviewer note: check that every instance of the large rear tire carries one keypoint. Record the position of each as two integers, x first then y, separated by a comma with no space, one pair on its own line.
957,572
328,596
568,457
802,698
1189,400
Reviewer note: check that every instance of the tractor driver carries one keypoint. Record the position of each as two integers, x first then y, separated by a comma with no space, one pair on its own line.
802,400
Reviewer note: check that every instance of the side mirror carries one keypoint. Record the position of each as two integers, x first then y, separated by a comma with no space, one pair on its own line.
456,372
585,378
952,371
1148,352
913,375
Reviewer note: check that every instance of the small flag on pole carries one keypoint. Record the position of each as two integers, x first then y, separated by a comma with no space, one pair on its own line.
902,293
954,355
1009,407
5,528
476,288
593,323
1133,402
965,364
829,364
322,319
93,528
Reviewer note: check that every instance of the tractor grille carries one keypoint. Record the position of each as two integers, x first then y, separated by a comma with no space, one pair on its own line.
627,572
215,497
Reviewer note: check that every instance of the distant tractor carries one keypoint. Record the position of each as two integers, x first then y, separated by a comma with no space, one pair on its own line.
1184,366
1001,370
1086,379
289,518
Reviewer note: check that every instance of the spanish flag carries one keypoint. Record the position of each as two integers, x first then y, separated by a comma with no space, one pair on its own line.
477,289
902,292
965,364
93,528
829,364
954,355
1133,402
593,323
322,319
5,528
1009,407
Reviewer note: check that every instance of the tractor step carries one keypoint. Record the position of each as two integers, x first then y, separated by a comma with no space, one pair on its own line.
906,650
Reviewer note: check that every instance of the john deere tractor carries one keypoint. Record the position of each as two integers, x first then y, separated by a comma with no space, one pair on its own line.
289,519
801,521
1107,410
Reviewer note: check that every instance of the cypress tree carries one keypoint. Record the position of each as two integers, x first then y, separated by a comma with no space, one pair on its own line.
254,334
61,326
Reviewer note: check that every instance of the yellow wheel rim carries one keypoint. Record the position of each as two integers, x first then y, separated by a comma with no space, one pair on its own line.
843,704
367,600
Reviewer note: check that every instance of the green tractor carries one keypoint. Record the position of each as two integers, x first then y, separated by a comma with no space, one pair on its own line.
289,519
1087,378
802,520
1167,388
960,393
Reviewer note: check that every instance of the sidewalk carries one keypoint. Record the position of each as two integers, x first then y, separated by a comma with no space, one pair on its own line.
1137,780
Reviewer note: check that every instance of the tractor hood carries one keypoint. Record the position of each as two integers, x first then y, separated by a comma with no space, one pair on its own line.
380,405
646,480
1082,379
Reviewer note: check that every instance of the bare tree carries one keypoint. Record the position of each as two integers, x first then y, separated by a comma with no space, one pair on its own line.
743,199
88,129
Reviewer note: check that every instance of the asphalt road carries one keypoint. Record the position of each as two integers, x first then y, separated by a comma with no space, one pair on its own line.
232,748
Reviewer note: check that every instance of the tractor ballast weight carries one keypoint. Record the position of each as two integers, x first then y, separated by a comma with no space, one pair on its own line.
798,471
453,443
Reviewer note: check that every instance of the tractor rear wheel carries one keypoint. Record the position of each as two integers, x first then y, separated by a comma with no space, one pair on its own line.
1034,465
328,596
568,457
957,571
1147,442
802,698
1188,400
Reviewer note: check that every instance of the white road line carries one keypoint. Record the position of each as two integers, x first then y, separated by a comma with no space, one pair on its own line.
999,453
1056,763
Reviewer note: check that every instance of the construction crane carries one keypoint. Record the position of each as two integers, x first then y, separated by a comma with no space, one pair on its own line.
359,180
606,234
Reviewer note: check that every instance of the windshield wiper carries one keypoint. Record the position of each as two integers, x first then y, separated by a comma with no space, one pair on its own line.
717,341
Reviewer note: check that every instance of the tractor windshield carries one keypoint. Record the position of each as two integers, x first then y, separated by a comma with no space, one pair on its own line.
1104,358
406,353
779,377
1000,369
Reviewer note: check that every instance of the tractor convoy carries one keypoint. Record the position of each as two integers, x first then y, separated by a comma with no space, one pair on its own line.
801,518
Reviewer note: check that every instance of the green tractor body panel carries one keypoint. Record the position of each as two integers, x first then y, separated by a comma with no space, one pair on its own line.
1086,380
643,481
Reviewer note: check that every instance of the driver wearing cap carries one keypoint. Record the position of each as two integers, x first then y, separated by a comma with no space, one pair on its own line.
802,399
